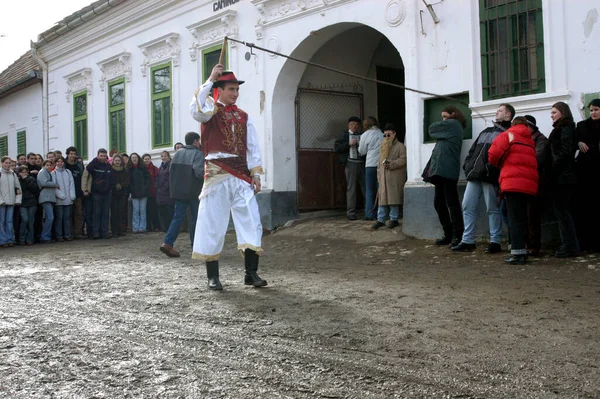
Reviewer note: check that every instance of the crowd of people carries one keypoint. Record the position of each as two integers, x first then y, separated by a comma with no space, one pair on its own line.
60,199
519,173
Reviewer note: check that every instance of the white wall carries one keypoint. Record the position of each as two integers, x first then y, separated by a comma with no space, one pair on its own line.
443,58
23,111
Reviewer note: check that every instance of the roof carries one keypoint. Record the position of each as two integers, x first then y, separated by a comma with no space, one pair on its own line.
19,72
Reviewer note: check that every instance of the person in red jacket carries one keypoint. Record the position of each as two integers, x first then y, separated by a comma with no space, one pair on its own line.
513,151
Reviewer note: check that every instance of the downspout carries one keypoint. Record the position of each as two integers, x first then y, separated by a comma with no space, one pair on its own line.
45,113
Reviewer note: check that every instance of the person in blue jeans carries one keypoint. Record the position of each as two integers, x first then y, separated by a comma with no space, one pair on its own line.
139,188
47,200
29,204
482,180
369,145
186,177
9,188
65,195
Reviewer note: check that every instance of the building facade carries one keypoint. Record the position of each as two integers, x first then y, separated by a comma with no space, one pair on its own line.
121,74
21,108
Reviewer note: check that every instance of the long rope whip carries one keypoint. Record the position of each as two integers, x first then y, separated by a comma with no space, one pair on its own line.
342,72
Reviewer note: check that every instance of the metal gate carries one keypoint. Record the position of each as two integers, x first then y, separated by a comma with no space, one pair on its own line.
321,116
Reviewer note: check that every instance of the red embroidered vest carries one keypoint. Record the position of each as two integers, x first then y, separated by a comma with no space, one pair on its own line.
225,132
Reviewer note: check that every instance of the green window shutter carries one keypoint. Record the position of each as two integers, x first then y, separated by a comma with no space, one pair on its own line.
116,115
80,124
433,111
161,86
512,48
3,146
22,142
210,58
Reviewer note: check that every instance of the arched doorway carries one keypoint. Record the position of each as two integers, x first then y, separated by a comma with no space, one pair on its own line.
324,101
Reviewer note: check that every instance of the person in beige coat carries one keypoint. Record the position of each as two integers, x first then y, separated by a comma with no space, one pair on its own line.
391,175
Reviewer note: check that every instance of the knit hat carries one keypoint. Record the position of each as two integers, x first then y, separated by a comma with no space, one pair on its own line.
532,122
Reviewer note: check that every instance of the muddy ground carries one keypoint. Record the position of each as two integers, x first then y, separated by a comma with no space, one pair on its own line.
348,313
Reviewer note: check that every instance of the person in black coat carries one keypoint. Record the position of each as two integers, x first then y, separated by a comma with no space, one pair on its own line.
29,204
586,212
562,176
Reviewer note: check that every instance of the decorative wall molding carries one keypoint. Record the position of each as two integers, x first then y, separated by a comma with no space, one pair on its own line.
273,12
79,80
211,31
164,48
274,44
395,12
114,67
523,104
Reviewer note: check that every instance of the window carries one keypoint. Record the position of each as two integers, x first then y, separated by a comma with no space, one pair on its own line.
3,146
512,47
210,58
22,142
80,122
433,113
161,106
116,115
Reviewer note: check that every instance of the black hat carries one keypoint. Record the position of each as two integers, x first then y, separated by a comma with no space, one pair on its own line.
227,77
354,119
531,122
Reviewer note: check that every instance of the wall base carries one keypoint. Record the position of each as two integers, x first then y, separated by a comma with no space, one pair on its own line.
276,207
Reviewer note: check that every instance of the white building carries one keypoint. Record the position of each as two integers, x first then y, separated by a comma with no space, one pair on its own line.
121,73
21,108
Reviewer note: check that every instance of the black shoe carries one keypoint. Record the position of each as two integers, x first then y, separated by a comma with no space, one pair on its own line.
516,259
251,264
493,248
212,272
377,225
445,240
464,247
564,253
455,242
392,224
352,218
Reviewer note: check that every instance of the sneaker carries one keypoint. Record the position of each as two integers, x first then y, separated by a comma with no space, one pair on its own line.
377,225
493,248
464,247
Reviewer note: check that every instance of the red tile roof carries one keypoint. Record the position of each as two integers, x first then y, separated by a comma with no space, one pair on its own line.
18,71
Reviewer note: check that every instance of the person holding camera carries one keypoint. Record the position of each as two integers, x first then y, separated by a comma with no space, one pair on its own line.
391,174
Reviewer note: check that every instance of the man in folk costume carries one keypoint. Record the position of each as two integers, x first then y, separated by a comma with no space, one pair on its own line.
391,175
231,177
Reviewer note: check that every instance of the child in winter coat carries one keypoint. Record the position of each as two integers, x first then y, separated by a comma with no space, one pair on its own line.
47,199
29,204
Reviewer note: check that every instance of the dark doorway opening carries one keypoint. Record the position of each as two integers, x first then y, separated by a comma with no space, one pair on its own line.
391,105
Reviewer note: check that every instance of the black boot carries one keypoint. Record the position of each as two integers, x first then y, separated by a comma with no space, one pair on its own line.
212,272
251,263
516,259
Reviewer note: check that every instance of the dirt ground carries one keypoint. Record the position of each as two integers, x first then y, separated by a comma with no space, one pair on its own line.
348,313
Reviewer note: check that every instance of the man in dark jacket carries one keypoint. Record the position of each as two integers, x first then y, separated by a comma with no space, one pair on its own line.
100,170
482,179
186,176
347,148
77,171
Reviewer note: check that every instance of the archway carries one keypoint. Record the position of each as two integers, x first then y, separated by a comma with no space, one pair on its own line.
324,101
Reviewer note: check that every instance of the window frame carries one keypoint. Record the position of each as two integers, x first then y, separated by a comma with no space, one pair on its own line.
116,108
506,11
205,69
4,147
81,146
22,150
161,96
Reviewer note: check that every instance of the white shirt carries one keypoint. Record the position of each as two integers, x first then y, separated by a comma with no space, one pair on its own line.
202,109
370,143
